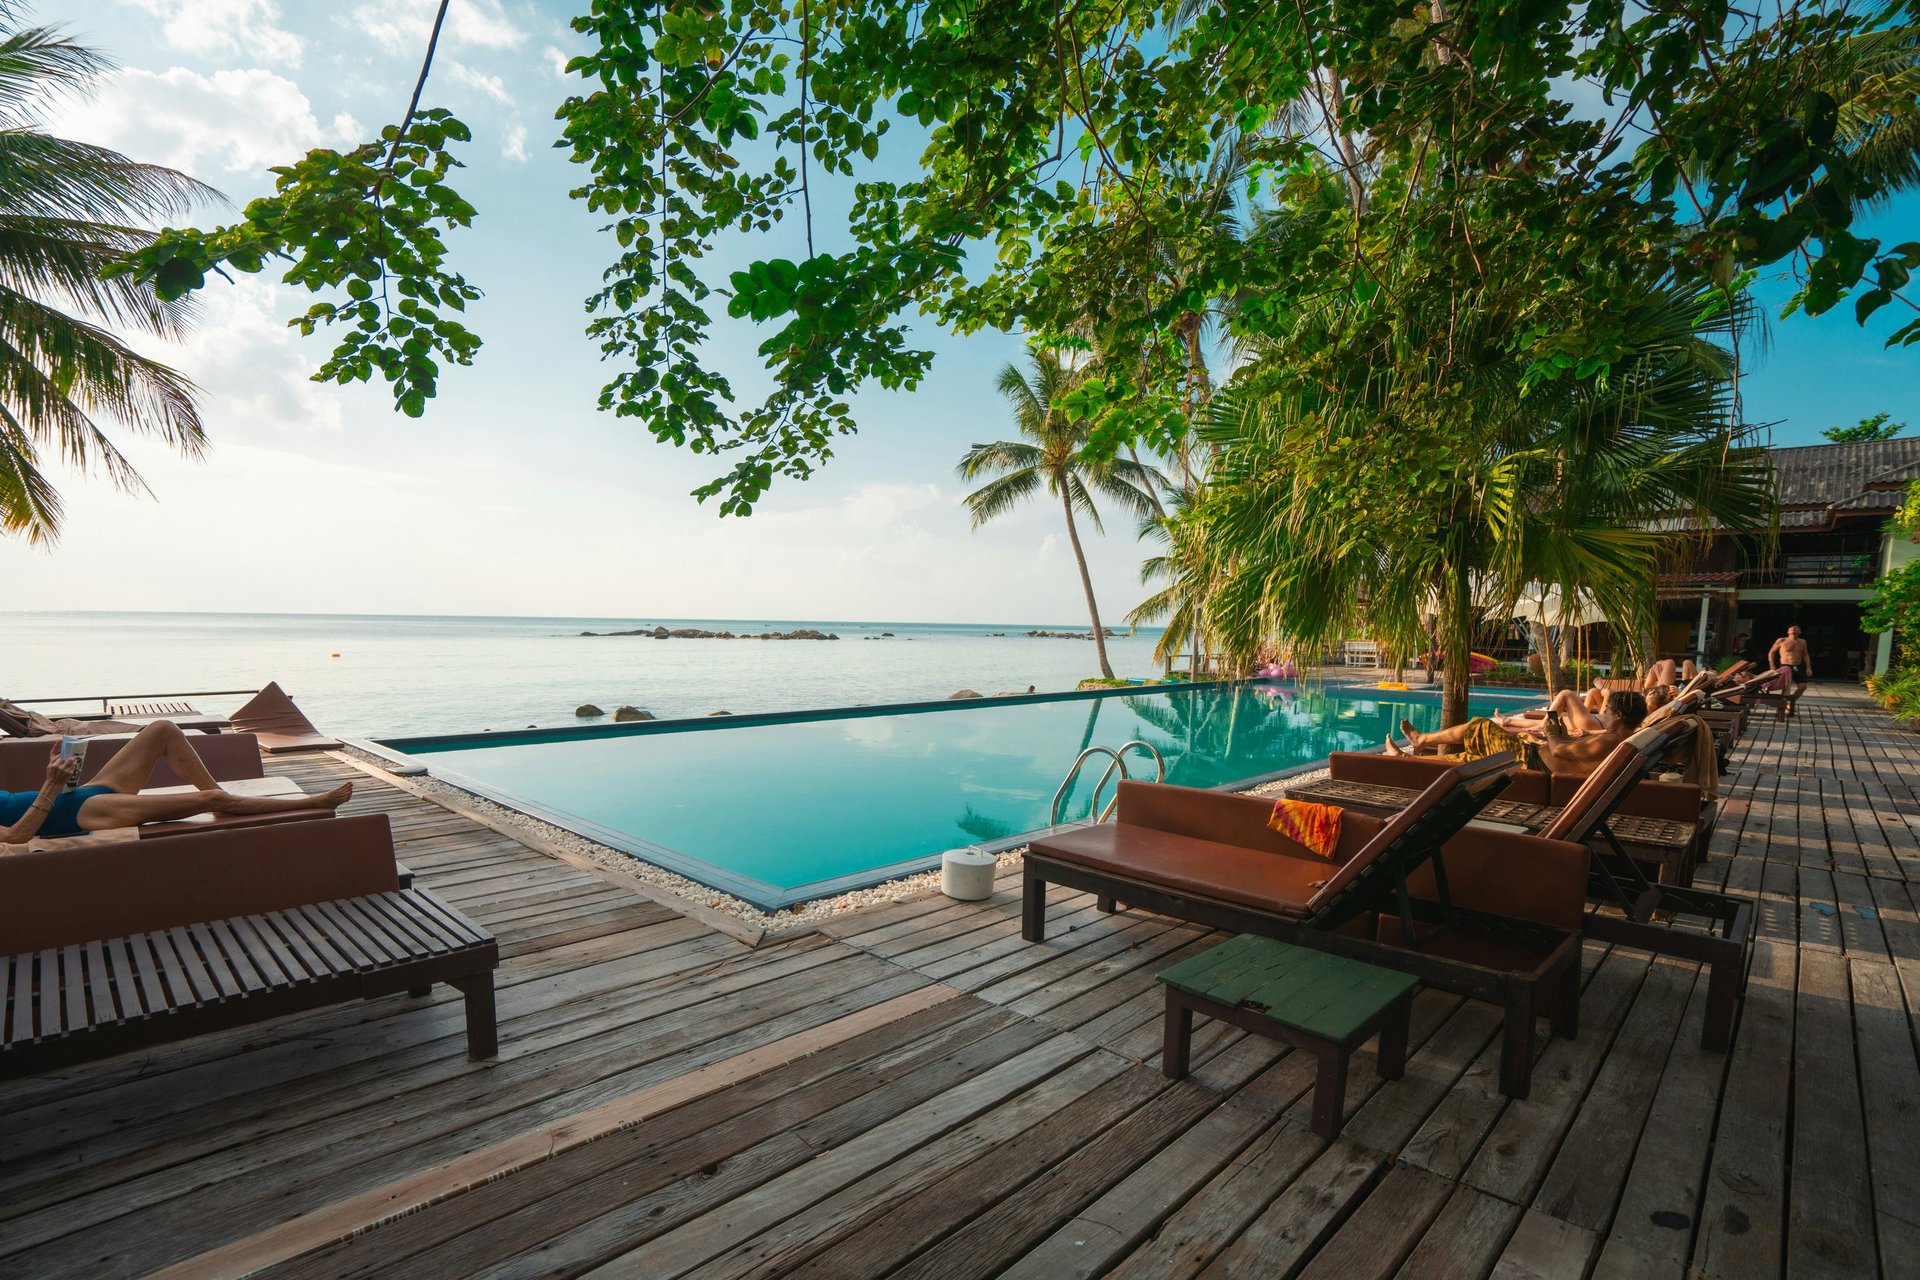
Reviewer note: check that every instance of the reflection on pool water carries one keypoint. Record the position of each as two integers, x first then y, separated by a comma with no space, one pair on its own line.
780,809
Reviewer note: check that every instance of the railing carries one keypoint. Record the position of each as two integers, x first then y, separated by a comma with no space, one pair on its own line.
1841,570
1093,808
107,699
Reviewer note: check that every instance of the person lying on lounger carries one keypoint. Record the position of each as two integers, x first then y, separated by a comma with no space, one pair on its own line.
1560,751
1665,671
1578,715
112,799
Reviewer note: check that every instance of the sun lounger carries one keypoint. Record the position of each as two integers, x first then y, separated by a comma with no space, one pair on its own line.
271,716
113,947
232,758
1404,894
227,756
1595,811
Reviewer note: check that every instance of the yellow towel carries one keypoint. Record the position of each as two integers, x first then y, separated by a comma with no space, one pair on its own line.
1314,827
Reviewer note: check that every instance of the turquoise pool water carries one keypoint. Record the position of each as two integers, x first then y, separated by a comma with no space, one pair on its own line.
779,809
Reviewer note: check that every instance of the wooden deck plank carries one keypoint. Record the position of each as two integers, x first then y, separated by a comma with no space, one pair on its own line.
912,1147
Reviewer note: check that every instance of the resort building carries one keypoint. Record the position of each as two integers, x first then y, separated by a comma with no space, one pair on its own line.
1836,501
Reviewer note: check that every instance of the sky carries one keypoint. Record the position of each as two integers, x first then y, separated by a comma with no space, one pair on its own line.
514,494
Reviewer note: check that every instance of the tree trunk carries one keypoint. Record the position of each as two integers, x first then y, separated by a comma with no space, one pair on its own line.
1458,639
1549,660
1086,580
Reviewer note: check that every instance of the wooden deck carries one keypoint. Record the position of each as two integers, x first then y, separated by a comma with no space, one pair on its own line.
917,1092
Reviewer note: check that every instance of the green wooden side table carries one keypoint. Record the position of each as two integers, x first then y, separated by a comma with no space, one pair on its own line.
1326,1005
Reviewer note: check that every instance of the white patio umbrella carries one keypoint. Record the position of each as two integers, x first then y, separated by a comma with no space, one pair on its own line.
1548,605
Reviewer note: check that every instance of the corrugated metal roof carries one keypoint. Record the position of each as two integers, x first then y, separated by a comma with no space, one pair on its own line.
1826,475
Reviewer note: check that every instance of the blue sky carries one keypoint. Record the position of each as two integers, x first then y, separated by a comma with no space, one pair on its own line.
514,494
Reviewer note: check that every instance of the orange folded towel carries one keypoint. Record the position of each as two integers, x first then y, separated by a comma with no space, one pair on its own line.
1315,827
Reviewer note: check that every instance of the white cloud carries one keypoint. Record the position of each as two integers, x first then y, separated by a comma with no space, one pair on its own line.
255,371
215,27
514,144
556,60
403,26
493,86
233,121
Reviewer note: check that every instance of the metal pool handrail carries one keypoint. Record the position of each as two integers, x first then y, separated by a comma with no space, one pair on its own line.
1093,809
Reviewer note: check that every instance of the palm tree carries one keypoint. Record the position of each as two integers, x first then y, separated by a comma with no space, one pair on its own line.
1050,454
1592,487
68,210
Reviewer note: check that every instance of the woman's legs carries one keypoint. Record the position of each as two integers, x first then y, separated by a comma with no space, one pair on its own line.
103,813
1574,713
133,764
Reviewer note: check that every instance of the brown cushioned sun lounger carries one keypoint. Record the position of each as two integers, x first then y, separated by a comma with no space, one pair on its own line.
1589,812
1403,894
271,716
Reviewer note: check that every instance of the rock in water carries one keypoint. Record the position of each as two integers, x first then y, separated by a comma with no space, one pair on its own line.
964,693
661,633
711,714
631,713
588,709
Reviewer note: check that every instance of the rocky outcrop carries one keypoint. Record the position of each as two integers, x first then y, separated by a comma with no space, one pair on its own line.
695,633
588,709
631,713
712,714
1074,635
963,694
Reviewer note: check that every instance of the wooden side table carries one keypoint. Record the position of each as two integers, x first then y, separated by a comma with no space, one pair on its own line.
1326,1005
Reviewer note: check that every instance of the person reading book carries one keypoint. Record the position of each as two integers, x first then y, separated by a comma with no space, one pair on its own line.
112,799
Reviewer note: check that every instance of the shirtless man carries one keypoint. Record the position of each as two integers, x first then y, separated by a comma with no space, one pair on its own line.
112,799
1791,651
1560,751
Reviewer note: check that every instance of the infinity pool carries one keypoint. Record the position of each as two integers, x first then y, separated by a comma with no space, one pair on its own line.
783,808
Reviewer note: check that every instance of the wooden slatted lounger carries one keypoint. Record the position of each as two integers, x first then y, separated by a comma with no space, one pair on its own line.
118,946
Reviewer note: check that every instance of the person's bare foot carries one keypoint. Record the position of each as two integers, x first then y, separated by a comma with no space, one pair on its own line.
1411,734
336,797
1393,748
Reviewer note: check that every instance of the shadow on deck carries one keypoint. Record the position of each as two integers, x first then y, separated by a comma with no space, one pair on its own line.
915,1091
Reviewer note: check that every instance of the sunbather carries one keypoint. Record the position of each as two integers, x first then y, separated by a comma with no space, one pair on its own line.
1560,751
112,799
1578,712
1665,671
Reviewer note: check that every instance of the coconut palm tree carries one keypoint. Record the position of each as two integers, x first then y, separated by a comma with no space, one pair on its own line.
67,211
1050,455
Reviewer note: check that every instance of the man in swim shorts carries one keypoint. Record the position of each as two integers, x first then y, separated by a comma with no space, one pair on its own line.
113,798
1791,651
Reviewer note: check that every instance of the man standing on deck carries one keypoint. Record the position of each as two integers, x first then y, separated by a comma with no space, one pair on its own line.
1791,651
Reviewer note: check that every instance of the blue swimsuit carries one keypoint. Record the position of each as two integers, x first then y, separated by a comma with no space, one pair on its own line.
62,820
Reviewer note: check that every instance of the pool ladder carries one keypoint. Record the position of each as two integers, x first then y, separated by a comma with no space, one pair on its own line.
1117,764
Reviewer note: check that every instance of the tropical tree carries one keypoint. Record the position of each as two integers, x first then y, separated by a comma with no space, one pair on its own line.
68,211
1878,426
1385,493
1044,162
1051,454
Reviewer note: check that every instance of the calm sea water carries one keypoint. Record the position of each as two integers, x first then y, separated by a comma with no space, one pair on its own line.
370,675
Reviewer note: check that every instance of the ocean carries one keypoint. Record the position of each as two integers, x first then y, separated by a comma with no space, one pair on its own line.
367,675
